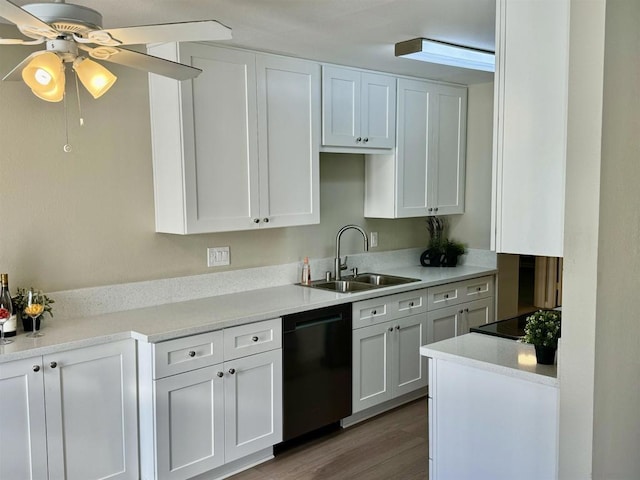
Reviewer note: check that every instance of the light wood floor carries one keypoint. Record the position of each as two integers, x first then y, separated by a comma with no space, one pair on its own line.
393,445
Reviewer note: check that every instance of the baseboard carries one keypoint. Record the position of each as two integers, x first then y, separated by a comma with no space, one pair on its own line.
237,466
383,407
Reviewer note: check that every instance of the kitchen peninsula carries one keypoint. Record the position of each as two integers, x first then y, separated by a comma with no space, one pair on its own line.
493,411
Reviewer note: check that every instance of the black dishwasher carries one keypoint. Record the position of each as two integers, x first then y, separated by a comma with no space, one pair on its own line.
316,369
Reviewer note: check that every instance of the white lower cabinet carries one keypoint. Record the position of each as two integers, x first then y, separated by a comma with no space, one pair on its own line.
73,415
208,416
455,308
386,360
458,319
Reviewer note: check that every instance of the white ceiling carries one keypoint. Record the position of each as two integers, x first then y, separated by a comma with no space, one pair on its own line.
360,33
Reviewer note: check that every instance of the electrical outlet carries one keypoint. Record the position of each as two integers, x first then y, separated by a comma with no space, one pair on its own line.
218,256
374,239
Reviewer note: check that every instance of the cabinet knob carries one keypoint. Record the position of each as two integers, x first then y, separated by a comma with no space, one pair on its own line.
479,288
446,295
358,140
256,220
192,353
53,364
435,209
461,312
391,329
232,371
411,304
466,310
397,327
220,374
365,140
265,220
36,368
255,339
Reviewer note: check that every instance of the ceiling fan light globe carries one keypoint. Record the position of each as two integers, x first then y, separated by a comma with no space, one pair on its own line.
44,73
95,78
54,95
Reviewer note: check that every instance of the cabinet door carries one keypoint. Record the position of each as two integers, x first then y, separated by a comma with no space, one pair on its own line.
91,411
409,367
253,403
378,111
447,147
530,125
414,102
475,314
442,323
23,444
189,423
372,366
289,140
340,107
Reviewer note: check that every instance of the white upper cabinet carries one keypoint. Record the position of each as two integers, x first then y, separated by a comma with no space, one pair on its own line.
358,109
530,124
236,148
426,175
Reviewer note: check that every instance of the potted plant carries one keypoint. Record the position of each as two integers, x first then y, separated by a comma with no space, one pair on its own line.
451,250
543,330
20,303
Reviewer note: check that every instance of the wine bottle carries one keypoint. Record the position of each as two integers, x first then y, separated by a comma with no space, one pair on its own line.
10,326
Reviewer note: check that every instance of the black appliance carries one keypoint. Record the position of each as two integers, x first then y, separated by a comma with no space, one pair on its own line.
316,369
510,328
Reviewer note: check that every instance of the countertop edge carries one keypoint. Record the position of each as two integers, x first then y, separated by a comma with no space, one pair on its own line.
139,323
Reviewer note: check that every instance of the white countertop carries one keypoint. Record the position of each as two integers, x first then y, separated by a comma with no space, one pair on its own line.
495,354
173,320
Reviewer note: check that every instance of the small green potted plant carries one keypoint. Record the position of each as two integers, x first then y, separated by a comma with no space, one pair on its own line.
543,331
20,303
452,249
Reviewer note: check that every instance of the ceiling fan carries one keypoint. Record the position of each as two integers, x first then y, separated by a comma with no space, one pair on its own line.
73,33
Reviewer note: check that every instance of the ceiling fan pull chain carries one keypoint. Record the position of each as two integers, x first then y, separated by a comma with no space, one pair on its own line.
78,96
67,146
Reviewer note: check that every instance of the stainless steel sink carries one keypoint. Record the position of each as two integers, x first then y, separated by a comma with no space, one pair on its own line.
361,282
342,286
381,280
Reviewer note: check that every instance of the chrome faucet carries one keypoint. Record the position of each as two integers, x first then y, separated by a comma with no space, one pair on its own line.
338,265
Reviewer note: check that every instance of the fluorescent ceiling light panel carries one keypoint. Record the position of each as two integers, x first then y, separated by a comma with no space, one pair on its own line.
442,53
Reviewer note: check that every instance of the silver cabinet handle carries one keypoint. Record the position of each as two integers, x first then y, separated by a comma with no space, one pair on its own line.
256,220
255,339
430,209
435,209
220,374
391,329
36,368
53,364
192,353
466,310
411,304
358,140
266,220
232,371
365,140
446,295
373,312
397,327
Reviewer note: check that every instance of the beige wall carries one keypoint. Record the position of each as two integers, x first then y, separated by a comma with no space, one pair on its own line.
86,218
599,368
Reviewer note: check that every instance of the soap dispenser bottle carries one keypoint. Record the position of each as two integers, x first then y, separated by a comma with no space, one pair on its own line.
306,272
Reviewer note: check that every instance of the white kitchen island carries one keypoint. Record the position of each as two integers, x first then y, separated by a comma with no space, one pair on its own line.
493,412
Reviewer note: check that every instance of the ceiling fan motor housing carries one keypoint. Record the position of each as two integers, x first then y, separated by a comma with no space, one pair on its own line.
66,17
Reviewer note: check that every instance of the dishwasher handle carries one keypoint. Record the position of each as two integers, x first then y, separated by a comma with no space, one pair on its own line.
314,318
299,325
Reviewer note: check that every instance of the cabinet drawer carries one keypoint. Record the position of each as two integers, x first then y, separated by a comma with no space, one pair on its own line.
371,312
390,307
408,303
187,353
459,292
252,338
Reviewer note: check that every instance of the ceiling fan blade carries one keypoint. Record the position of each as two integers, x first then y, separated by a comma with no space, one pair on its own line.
16,73
144,62
17,41
207,30
22,18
